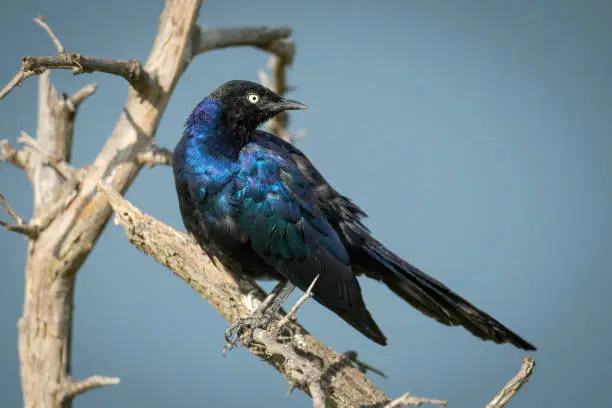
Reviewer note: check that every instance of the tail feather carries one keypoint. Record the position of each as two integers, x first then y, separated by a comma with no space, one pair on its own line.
433,298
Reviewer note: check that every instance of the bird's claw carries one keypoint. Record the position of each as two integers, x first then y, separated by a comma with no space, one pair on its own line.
242,330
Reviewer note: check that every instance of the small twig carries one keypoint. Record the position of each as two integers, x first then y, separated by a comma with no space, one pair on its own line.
10,154
154,156
20,225
10,211
412,401
25,229
56,41
74,388
79,96
514,385
59,165
291,315
16,81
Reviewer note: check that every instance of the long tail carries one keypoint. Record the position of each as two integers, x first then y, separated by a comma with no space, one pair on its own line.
432,297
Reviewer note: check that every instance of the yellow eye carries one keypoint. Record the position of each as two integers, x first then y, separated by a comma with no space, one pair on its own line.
253,98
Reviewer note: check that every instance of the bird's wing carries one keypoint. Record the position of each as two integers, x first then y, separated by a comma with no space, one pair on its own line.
339,209
370,257
276,207
280,215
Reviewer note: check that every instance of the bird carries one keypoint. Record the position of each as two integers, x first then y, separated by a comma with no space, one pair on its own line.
257,204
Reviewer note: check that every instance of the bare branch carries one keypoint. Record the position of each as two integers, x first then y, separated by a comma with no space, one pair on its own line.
10,154
79,96
131,70
59,165
16,81
154,156
291,315
10,211
514,385
20,225
273,40
25,229
412,401
305,361
56,42
74,388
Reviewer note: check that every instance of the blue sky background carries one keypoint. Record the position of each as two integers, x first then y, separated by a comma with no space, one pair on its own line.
476,134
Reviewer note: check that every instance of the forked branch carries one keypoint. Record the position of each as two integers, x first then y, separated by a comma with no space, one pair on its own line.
131,70
20,225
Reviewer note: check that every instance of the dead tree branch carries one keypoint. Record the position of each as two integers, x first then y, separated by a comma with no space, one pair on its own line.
305,361
10,154
514,385
273,40
74,388
82,94
16,81
56,42
131,70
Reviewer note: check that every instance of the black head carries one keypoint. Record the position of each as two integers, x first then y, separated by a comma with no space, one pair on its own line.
245,105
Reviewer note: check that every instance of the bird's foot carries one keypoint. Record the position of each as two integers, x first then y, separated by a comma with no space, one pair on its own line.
242,330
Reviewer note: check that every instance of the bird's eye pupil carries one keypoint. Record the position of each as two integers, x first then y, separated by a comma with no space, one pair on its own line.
253,98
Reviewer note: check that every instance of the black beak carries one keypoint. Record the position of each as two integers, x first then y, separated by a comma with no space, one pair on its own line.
287,104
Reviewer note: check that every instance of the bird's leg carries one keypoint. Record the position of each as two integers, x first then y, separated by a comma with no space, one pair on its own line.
260,317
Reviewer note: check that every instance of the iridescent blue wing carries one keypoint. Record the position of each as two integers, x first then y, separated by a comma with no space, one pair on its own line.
277,208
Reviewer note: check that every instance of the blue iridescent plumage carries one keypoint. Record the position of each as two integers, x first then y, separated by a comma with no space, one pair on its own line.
256,202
